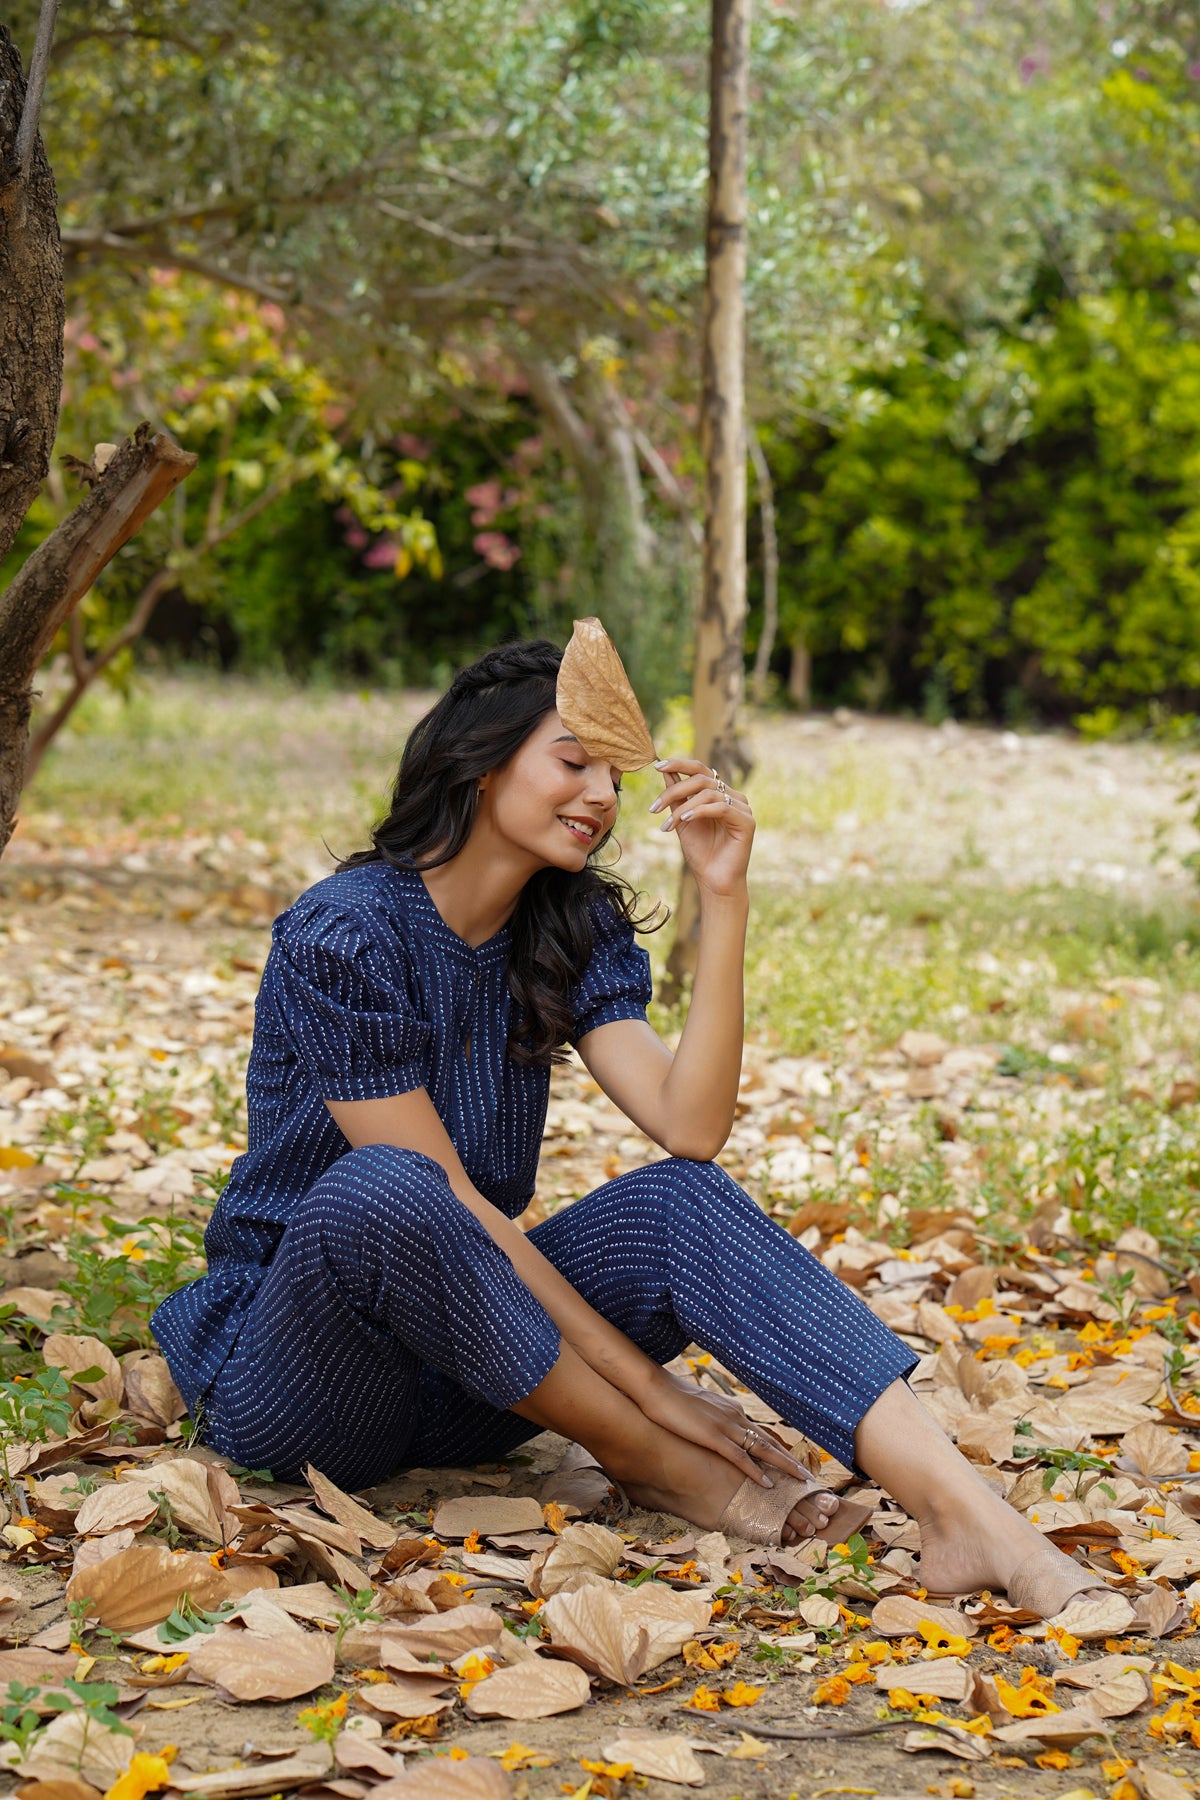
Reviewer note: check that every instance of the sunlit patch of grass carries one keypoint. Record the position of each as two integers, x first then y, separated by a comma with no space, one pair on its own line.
851,785
221,752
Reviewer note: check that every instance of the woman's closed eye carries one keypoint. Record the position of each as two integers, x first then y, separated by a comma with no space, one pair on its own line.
580,767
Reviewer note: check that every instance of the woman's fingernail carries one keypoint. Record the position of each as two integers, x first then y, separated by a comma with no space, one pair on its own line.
666,825
662,763
655,804
767,1482
686,815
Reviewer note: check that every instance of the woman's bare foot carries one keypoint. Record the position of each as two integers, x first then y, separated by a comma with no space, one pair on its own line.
970,1537
697,1485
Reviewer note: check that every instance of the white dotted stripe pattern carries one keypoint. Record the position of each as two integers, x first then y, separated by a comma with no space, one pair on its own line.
367,992
391,1330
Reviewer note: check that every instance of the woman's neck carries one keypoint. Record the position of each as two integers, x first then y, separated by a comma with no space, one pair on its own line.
476,892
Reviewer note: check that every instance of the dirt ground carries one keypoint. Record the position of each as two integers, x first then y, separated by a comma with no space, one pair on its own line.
127,954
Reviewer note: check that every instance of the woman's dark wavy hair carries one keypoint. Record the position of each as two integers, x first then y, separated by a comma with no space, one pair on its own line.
479,724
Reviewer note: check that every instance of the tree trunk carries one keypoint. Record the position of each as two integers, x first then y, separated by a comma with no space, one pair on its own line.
31,296
719,680
55,578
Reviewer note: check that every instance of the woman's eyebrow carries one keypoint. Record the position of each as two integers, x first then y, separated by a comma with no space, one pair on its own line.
567,738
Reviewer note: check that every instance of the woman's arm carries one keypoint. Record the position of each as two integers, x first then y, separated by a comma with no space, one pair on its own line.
686,1102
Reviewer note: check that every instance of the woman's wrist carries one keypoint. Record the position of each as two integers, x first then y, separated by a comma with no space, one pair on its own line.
735,903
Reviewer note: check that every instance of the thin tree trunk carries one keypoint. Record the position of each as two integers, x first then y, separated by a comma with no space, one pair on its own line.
770,545
55,578
31,287
719,680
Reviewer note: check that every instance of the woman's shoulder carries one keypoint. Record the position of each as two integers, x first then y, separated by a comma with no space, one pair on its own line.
366,904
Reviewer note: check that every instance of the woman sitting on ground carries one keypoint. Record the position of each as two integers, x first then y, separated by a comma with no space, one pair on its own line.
370,1302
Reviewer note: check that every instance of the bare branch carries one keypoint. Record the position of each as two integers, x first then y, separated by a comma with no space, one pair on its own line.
566,423
457,238
31,116
80,241
145,33
668,486
63,567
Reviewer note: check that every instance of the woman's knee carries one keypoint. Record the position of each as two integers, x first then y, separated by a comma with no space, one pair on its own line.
705,1185
377,1186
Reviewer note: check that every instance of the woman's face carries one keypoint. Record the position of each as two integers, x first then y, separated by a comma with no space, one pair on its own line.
551,798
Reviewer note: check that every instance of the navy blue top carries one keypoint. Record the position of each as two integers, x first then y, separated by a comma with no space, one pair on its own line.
367,992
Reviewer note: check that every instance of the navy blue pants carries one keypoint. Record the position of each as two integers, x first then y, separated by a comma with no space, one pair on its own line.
391,1331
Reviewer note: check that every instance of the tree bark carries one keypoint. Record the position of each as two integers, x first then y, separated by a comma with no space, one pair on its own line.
31,293
719,679
60,571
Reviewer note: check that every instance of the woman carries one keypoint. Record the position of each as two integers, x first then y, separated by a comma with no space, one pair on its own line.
370,1302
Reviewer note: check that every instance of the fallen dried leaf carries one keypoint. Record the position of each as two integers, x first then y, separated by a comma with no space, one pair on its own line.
622,1633
438,1778
946,1679
349,1512
530,1690
139,1586
896,1615
661,1755
308,1764
596,701
488,1514
113,1507
252,1665
75,1355
409,1697
584,1555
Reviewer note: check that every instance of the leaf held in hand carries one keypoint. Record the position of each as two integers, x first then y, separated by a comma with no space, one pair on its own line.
597,702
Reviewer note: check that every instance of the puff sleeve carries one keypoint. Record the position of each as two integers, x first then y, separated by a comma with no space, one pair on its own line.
616,983
343,1001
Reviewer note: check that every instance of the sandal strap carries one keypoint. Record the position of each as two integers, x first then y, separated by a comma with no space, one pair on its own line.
760,1513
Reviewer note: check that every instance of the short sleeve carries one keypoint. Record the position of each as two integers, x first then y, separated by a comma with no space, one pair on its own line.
616,983
342,1002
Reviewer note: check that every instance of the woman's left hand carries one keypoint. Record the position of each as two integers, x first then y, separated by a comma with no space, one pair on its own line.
714,823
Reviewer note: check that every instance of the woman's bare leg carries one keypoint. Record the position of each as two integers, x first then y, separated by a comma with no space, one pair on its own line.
970,1537
657,1470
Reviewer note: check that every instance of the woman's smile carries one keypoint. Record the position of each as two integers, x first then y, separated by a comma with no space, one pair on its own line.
583,830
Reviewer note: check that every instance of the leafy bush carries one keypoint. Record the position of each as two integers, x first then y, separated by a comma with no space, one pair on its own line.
1008,527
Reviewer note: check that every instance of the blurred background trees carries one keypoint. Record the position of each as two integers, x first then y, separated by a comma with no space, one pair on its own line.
422,285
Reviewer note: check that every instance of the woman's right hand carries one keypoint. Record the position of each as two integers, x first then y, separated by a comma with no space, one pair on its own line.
716,1422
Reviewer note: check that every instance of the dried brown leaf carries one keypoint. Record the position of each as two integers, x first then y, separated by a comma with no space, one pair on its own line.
150,1392
407,1698
583,1555
202,1496
308,1764
1058,1731
252,1665
446,1635
113,1507
946,1677
660,1755
349,1512
360,1755
75,1744
597,702
896,1615
73,1355
530,1690
1091,1620
950,1740
437,1778
488,1514
141,1585
59,1787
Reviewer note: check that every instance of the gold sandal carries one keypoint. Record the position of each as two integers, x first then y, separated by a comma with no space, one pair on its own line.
760,1513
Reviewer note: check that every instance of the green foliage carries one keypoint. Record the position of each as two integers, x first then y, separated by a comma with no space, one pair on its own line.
1058,566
